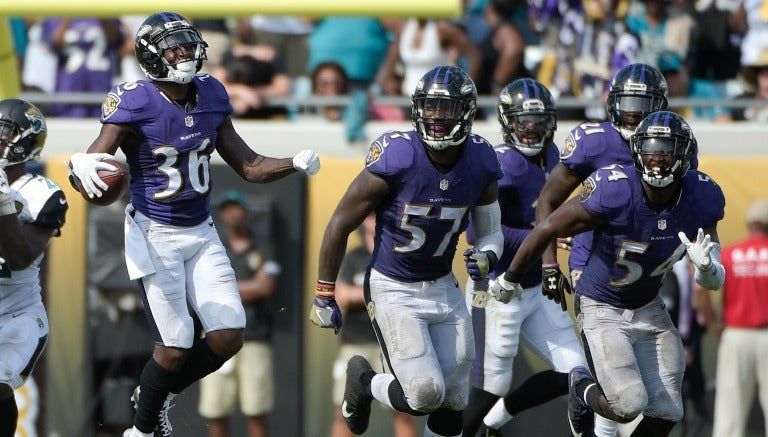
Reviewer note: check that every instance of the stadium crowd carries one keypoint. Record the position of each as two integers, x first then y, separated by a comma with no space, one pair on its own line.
706,49
615,54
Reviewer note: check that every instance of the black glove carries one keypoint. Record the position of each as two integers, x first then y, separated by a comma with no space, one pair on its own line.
554,285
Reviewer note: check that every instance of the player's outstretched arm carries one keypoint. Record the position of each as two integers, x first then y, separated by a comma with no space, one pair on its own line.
569,219
254,167
560,184
362,196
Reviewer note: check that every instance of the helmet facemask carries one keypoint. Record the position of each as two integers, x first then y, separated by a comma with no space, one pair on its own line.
627,110
528,132
442,121
661,160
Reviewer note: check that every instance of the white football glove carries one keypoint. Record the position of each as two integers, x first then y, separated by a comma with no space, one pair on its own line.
503,290
699,251
85,167
307,162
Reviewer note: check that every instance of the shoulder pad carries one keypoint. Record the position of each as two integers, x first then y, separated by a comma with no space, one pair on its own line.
391,152
128,102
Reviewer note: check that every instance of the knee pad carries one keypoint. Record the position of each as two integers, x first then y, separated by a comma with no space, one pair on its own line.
422,396
424,393
631,401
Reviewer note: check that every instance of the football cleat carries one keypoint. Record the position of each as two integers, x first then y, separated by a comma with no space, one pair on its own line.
356,407
163,427
580,416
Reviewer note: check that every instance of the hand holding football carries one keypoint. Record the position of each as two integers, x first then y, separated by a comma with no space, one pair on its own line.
116,182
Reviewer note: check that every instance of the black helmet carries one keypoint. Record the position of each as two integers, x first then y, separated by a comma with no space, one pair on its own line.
22,131
636,91
528,115
667,134
444,106
163,31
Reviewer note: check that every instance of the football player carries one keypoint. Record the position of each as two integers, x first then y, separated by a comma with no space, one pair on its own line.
642,219
32,210
528,118
422,184
636,91
168,126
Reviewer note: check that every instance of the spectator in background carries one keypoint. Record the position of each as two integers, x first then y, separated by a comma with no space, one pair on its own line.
38,72
597,45
680,84
755,76
749,18
359,44
661,25
129,68
87,59
424,44
742,358
216,33
330,79
249,81
248,376
717,38
502,50
287,35
357,337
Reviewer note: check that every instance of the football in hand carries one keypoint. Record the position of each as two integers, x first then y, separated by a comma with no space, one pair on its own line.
116,182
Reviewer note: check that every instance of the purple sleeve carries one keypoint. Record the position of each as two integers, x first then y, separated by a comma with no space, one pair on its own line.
607,193
129,102
390,155
583,143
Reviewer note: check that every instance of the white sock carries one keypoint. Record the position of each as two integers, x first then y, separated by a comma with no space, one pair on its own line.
498,416
134,432
605,427
380,388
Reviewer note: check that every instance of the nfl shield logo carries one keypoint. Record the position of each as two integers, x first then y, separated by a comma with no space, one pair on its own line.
189,121
662,224
443,184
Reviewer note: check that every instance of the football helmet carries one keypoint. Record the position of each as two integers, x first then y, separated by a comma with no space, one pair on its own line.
169,31
444,106
662,148
527,115
636,91
22,132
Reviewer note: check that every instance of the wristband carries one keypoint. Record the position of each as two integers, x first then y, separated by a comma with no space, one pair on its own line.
510,277
8,208
550,266
325,288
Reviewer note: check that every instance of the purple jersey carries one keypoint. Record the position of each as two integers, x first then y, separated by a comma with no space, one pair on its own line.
87,62
170,178
588,147
418,224
636,246
518,191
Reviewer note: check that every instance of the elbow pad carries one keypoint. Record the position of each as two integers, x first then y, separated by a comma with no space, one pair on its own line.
714,276
486,221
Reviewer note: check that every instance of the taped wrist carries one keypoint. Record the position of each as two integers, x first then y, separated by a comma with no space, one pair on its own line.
325,288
